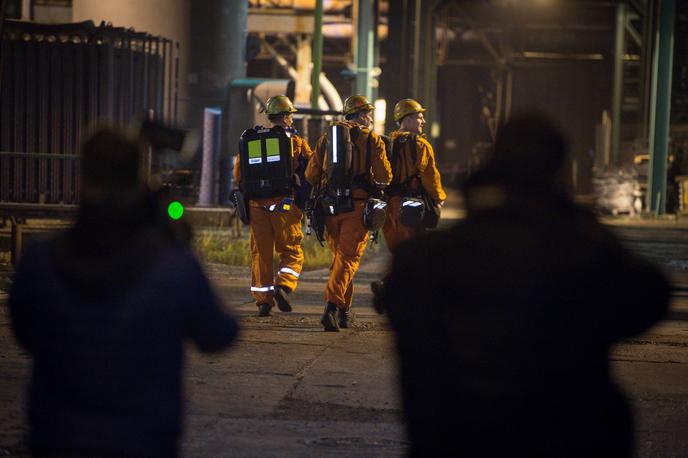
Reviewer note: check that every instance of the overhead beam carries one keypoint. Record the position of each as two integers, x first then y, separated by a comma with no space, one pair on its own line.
281,22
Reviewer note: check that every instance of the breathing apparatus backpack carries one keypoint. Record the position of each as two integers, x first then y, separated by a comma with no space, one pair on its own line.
339,164
267,165
417,208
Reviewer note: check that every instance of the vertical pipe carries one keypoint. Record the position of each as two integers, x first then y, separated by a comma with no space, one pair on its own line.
3,8
228,41
403,61
170,80
394,78
499,100
509,94
176,84
364,48
429,69
26,8
20,68
376,51
415,85
661,106
210,170
317,54
649,27
617,90
6,125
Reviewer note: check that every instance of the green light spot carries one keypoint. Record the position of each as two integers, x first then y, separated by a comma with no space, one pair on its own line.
175,210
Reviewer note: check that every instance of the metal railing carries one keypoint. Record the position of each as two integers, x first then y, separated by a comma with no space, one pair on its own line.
57,80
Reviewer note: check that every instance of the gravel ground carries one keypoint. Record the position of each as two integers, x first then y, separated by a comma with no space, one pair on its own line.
289,389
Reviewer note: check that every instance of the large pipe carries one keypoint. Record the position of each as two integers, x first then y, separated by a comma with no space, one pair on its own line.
661,106
415,77
334,100
617,90
210,171
649,27
3,8
217,46
317,54
365,48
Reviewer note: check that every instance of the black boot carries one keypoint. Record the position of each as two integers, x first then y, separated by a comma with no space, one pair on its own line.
329,318
378,288
264,309
343,318
281,293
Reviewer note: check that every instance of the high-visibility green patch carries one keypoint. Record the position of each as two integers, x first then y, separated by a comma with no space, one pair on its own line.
255,152
272,146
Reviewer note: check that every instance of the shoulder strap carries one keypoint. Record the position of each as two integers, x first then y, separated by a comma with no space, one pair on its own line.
395,161
370,139
412,140
414,148
321,156
354,132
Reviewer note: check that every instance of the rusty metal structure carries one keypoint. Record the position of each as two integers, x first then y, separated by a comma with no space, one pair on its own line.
57,80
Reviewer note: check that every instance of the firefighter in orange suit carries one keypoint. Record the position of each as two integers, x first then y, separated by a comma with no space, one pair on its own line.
275,224
345,232
408,114
413,166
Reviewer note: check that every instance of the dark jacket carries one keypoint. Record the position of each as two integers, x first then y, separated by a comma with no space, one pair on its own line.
504,324
104,311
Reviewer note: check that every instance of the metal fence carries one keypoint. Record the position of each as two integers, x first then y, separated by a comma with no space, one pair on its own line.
57,80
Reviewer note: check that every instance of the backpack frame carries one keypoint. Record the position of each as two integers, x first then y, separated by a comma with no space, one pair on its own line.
267,162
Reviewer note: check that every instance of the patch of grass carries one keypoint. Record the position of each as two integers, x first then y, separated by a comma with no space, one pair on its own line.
223,249
314,255
237,251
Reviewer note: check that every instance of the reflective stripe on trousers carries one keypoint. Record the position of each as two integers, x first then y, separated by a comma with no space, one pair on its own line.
275,231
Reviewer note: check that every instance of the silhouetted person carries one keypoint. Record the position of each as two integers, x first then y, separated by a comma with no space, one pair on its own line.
104,310
504,322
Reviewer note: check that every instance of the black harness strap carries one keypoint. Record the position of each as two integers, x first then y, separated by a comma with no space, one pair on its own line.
363,180
397,187
370,138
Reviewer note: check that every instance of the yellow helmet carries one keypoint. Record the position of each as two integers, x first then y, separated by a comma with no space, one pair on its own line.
279,104
356,103
406,107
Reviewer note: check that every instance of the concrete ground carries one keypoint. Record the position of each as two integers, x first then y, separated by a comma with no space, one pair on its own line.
288,389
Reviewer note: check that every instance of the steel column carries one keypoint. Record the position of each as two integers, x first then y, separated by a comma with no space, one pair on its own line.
617,89
661,106
3,8
219,49
428,92
649,24
212,139
415,76
365,48
317,54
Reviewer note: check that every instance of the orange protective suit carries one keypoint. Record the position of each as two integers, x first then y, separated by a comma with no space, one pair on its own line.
402,169
345,233
274,229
